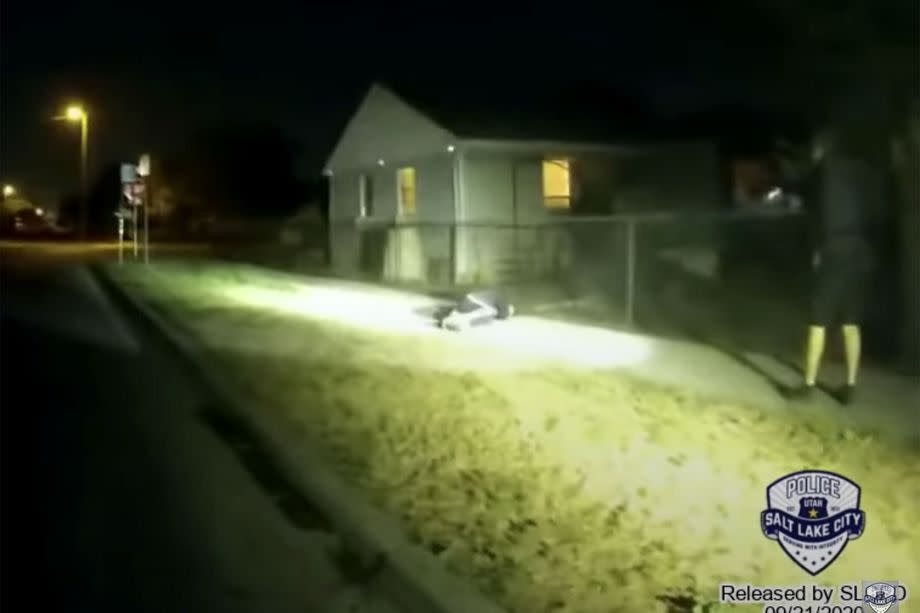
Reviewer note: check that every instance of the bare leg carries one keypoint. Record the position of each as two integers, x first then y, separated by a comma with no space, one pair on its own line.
814,349
852,346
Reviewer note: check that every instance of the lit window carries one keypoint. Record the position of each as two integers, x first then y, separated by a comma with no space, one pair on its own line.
405,178
366,196
557,184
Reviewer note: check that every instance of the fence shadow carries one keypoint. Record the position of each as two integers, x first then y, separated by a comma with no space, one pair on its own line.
742,322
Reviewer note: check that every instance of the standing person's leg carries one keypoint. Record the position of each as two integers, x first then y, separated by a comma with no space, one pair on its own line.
814,350
823,307
852,349
851,316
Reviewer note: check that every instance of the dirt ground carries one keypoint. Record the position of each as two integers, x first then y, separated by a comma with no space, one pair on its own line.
555,483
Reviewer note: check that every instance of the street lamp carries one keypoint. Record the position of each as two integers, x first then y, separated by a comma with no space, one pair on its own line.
76,113
8,191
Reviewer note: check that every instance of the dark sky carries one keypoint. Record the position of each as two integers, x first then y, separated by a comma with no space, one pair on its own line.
151,78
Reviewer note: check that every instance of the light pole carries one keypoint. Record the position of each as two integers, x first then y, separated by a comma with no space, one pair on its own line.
76,113
143,169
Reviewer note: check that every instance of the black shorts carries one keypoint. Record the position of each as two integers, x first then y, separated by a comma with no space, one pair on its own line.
839,296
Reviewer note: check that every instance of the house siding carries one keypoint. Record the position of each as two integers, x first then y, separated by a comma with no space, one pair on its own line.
506,188
497,187
488,188
418,245
343,204
343,236
386,128
425,236
434,191
502,190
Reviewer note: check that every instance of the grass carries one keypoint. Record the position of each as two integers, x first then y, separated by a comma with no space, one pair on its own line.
554,488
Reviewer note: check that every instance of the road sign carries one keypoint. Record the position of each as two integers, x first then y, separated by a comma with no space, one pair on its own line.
138,190
128,173
133,193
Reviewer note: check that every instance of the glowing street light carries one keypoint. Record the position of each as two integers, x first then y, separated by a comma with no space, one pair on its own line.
75,113
9,190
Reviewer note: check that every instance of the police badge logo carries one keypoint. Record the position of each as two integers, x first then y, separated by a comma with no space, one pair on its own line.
813,514
880,596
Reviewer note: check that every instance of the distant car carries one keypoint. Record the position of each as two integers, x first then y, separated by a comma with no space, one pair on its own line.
31,222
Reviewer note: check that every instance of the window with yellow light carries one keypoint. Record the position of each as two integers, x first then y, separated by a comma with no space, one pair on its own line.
557,184
405,179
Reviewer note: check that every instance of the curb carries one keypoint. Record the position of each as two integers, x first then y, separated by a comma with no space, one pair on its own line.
410,576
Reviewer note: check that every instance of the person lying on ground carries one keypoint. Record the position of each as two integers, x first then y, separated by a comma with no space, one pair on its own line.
477,309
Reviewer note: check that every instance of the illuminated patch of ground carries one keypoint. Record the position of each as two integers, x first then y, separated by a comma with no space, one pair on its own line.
555,487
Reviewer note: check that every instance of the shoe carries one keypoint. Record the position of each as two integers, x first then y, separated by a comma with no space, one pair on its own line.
847,394
802,393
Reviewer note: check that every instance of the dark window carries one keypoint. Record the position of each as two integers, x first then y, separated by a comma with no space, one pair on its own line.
366,196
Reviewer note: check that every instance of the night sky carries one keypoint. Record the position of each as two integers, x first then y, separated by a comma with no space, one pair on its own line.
149,79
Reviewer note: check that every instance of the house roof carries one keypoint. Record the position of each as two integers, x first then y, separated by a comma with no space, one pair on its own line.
504,111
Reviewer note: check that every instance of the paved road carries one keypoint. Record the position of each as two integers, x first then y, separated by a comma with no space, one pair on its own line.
115,496
83,251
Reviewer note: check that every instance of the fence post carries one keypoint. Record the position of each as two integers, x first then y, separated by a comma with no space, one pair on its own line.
630,270
452,253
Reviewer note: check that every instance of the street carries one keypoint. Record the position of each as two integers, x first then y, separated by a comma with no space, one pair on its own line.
41,251
116,494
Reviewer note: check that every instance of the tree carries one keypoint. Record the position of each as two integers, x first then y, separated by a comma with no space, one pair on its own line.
102,200
238,169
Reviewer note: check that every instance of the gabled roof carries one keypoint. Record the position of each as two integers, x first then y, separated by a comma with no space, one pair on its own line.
504,111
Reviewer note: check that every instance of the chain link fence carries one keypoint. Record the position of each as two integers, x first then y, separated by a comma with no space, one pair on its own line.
664,271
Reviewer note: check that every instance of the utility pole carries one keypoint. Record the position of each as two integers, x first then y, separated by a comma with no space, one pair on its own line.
84,129
143,169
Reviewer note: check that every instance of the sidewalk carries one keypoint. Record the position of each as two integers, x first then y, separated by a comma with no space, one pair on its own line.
762,335
885,402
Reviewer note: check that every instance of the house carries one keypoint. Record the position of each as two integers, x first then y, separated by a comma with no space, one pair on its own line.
423,190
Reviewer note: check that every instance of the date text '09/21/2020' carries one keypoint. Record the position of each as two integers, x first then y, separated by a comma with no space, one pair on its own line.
812,608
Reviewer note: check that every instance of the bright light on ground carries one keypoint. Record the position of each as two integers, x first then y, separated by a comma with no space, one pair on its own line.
553,486
367,308
553,340
385,311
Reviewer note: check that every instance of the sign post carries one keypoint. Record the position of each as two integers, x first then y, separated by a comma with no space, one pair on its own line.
135,193
132,196
128,177
134,230
121,236
123,213
143,169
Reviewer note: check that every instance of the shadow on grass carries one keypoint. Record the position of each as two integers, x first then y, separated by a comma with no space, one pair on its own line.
743,323
240,438
237,435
